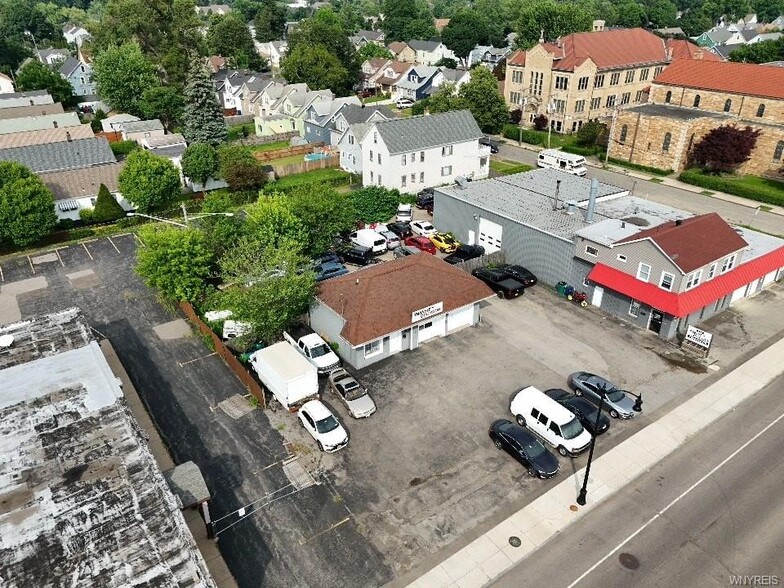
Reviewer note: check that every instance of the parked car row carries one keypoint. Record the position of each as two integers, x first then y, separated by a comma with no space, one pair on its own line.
560,420
508,281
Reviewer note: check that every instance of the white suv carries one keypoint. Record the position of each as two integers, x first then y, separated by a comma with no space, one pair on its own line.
323,426
404,103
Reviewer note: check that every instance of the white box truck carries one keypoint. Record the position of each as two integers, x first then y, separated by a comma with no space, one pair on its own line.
291,378
567,162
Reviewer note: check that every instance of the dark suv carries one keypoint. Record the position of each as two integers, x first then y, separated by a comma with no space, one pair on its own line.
357,255
425,198
401,229
500,283
464,253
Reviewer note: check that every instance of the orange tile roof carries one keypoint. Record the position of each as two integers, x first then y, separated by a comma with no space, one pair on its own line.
379,300
683,49
747,79
611,49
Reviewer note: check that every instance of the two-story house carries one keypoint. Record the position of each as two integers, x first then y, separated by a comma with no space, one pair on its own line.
369,69
79,75
487,55
272,51
456,77
416,83
388,75
431,51
690,98
402,51
410,154
351,124
320,118
364,37
585,76
228,88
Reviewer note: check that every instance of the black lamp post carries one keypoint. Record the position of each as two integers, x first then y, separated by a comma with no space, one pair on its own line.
584,490
637,401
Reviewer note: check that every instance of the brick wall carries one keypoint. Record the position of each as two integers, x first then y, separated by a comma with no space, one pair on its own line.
745,107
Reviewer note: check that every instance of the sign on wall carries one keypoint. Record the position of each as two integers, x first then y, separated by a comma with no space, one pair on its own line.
427,312
698,339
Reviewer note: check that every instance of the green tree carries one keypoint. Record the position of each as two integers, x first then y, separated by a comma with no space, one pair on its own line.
270,20
496,13
239,168
174,261
149,181
122,75
466,30
221,232
200,162
725,148
374,203
447,62
631,15
592,133
164,103
34,75
271,223
315,66
202,115
767,10
106,207
555,19
228,36
26,206
445,99
762,52
324,212
661,13
12,53
407,19
483,98
448,8
371,51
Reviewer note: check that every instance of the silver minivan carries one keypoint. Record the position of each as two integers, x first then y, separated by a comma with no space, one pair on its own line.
553,423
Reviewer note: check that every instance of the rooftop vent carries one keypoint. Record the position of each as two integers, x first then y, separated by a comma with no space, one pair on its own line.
570,207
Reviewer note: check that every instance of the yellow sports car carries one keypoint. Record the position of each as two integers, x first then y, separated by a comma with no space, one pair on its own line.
445,242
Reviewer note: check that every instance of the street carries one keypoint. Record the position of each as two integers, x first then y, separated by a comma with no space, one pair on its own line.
706,516
683,199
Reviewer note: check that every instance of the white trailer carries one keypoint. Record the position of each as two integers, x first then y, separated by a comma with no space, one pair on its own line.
291,378
567,162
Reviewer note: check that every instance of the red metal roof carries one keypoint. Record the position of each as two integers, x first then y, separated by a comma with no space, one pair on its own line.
610,49
748,79
684,303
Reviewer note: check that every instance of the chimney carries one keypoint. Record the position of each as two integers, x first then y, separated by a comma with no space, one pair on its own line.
678,222
668,54
698,54
557,192
597,25
592,200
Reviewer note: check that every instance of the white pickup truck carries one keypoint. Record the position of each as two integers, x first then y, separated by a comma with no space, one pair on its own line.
313,347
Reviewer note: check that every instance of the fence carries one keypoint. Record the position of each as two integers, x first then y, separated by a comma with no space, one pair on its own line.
286,152
305,166
495,257
234,365
238,119
264,139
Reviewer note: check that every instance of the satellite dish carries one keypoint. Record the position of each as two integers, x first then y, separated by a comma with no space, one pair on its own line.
6,341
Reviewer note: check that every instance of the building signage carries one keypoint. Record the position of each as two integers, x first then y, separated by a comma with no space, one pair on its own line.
427,312
698,337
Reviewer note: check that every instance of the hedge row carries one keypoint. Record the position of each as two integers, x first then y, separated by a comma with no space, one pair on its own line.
579,150
645,168
528,136
761,190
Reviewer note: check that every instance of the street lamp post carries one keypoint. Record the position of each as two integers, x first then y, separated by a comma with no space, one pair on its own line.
523,104
34,43
550,109
584,490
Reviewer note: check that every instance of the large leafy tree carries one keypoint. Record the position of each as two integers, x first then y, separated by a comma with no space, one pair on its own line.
662,13
555,19
696,21
149,181
762,52
465,30
200,162
164,103
123,74
315,66
222,232
407,19
239,168
12,53
270,20
26,206
202,115
725,148
371,50
34,75
228,36
483,98
445,99
374,203
631,15
325,212
271,222
175,261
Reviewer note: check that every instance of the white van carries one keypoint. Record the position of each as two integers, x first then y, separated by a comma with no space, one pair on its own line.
370,239
555,424
404,214
568,162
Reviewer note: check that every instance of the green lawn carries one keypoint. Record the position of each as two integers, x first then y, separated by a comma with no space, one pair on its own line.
331,176
373,99
751,187
235,131
505,167
269,146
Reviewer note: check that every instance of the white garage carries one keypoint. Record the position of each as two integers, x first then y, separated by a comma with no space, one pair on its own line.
460,317
431,328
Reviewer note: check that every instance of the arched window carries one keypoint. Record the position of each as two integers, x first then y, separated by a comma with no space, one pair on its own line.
779,151
760,111
668,97
624,131
666,142
728,105
696,101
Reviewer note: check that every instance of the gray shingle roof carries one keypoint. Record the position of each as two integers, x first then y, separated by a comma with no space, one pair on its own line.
11,95
34,110
84,182
69,65
419,45
34,123
139,126
423,132
357,114
61,156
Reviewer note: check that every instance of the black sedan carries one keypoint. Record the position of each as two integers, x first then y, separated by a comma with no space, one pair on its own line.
524,447
584,411
499,282
519,273
401,229
464,253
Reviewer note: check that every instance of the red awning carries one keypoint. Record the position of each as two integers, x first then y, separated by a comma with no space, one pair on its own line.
684,303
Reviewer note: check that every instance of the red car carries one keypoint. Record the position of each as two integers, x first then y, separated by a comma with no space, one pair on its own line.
421,243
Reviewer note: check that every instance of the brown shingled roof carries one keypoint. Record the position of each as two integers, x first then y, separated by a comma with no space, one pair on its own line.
379,300
83,182
695,242
747,79
43,136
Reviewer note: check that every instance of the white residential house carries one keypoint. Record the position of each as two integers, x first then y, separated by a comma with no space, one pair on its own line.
409,154
228,88
456,77
430,52
75,34
272,51
52,56
350,126
488,56
6,84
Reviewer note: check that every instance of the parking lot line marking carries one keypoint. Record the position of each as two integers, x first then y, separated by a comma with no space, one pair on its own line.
183,364
139,240
2,277
113,245
327,530
88,251
123,234
57,251
31,263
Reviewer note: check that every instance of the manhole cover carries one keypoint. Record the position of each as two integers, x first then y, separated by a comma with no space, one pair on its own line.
573,508
629,561
514,541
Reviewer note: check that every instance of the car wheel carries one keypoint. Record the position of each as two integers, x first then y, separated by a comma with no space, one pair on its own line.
614,413
498,444
520,420
320,446
578,392
532,472
562,451
500,294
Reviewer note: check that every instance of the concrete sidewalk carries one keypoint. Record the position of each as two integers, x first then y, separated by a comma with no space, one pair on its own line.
492,554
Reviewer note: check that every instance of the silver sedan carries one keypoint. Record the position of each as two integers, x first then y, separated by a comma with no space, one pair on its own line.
617,402
356,398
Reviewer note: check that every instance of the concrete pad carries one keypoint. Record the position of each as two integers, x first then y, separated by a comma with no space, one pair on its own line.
547,507
24,286
44,258
177,329
481,549
459,564
637,457
499,563
84,279
500,533
9,309
540,533
518,554
436,578
476,578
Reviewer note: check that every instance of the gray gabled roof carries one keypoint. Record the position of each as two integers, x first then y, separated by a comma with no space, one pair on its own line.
69,66
139,126
424,132
61,156
358,114
419,45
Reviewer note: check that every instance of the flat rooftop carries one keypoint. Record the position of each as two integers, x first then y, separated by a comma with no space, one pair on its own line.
84,503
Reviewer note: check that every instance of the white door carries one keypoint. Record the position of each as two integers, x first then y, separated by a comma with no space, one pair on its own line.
472,238
489,235
598,294
460,317
395,342
738,294
431,328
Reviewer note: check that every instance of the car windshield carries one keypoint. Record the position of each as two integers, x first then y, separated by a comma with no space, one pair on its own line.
534,449
615,395
571,429
352,390
448,239
326,425
320,350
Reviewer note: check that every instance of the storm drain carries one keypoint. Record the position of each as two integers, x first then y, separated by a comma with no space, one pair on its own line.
235,406
299,477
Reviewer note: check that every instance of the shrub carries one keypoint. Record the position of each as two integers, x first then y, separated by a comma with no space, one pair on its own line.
540,122
651,170
65,224
592,133
578,150
106,207
419,107
758,189
528,136
87,215
123,148
80,233
515,116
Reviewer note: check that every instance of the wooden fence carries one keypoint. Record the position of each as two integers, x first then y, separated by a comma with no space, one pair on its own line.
264,139
290,169
266,156
225,353
470,265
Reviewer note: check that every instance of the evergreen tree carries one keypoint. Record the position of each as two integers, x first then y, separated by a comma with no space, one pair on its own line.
106,207
202,116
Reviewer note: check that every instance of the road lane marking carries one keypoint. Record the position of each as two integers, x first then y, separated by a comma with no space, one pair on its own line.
57,251
675,501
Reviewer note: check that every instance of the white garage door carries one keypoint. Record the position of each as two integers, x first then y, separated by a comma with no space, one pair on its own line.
489,235
460,317
431,328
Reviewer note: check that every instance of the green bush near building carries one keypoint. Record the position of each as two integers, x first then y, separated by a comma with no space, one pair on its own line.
751,187
644,168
